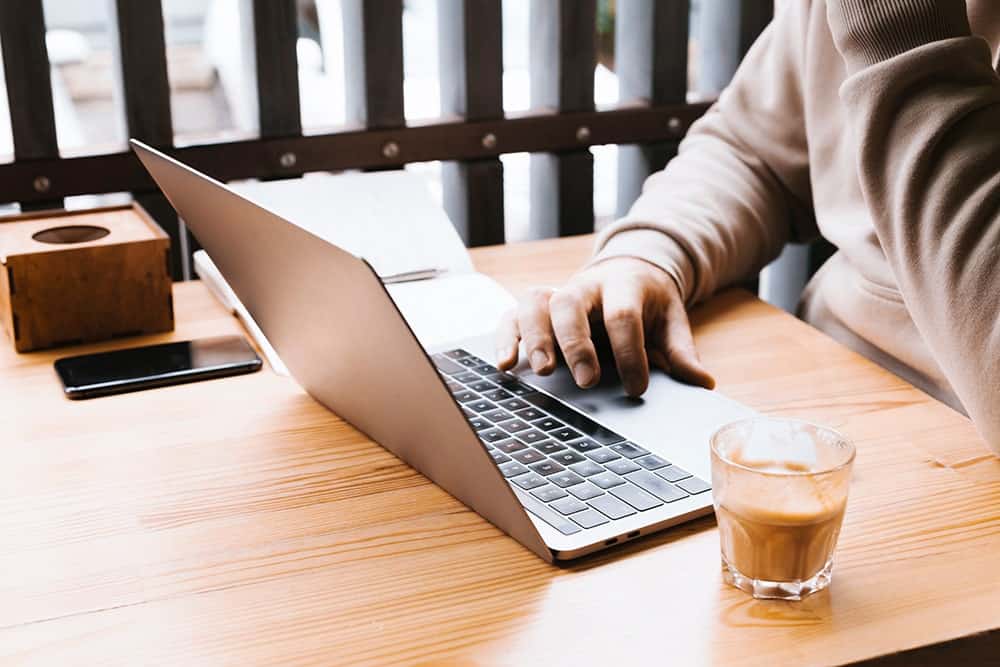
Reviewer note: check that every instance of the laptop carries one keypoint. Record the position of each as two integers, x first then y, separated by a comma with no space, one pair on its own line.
565,472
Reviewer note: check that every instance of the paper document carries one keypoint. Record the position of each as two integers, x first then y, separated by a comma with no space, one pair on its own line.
388,218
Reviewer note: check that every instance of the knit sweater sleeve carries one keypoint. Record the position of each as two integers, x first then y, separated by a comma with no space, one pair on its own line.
738,189
923,102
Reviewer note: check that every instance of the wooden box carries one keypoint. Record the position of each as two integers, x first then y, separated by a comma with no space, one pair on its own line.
70,277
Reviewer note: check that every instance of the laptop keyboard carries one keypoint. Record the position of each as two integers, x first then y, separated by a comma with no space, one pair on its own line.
565,468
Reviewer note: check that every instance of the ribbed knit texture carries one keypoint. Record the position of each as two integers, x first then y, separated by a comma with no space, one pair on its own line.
893,159
871,31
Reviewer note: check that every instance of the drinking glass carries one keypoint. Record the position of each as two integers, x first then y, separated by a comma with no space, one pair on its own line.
779,488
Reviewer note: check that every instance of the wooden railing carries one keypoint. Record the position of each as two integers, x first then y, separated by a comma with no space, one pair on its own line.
651,63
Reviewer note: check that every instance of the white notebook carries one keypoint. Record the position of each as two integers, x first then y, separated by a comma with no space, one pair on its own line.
391,220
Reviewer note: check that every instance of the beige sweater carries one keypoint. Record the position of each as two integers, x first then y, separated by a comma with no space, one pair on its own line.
875,123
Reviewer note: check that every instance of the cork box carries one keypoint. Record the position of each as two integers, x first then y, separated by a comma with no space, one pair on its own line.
71,277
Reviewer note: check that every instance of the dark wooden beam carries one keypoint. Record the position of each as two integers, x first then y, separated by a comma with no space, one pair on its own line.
471,63
141,74
754,17
359,149
373,56
275,37
563,56
29,91
651,38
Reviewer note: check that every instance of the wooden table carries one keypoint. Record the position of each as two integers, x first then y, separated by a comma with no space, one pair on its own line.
237,521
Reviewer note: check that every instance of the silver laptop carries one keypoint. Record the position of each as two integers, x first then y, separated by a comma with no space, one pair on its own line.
565,472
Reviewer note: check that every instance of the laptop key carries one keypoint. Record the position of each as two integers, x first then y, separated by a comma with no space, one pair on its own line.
629,450
512,469
531,436
469,362
453,386
530,414
546,468
466,377
548,493
455,354
513,404
466,396
499,457
564,434
589,518
513,426
565,479
493,435
586,468
485,369
498,395
606,480
497,415
446,365
694,485
652,462
510,446
481,405
602,455
479,424
673,473
549,447
611,507
577,420
635,497
585,491
528,456
548,424
529,481
542,511
568,505
467,412
584,445
567,458
658,486
621,466
482,386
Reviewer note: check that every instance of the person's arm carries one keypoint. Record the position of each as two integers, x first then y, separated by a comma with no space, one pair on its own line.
738,189
923,101
722,209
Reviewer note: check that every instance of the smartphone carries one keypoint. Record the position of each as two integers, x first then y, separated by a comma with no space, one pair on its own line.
132,369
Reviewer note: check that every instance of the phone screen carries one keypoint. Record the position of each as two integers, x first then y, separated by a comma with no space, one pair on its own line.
135,368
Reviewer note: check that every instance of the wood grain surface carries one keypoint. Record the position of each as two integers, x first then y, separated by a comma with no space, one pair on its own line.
238,522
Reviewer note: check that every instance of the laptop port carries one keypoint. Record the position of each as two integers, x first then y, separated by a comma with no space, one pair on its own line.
634,533
611,541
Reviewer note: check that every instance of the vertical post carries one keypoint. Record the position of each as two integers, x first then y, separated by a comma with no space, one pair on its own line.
142,85
471,65
275,28
373,57
563,55
754,17
29,87
652,46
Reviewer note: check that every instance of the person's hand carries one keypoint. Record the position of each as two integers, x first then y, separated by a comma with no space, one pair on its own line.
636,303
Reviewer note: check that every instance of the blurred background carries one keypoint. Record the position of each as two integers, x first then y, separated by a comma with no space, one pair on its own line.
213,97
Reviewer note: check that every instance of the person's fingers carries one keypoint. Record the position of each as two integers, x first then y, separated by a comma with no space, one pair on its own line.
682,361
569,311
508,337
622,311
536,330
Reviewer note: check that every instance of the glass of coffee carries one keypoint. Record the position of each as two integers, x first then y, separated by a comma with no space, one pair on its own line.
780,489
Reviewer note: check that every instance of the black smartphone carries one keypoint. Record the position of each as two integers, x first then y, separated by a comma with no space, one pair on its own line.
132,369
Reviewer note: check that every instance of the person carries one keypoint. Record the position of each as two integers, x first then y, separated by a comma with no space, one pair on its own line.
875,123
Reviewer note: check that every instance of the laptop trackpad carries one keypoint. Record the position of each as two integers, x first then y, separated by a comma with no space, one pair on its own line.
673,419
